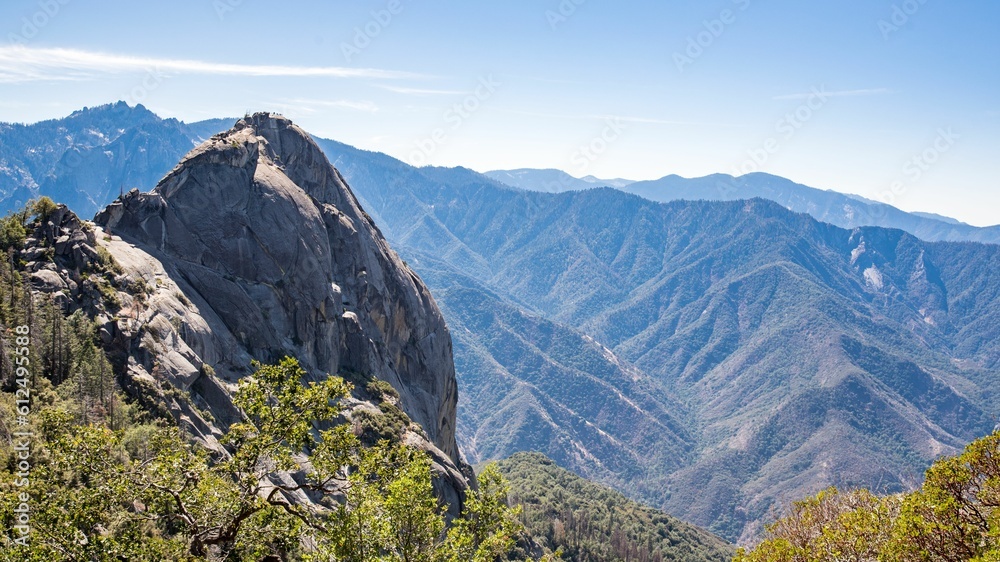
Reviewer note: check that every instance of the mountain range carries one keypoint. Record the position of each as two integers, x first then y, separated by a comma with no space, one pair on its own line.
254,248
845,211
553,181
89,158
841,209
81,159
790,352
714,358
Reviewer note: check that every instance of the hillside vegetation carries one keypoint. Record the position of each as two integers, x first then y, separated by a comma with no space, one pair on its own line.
953,517
796,355
588,522
714,359
94,469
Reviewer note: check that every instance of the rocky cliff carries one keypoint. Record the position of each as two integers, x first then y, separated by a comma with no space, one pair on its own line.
254,247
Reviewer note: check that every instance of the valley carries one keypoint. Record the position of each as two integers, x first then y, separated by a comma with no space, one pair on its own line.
714,359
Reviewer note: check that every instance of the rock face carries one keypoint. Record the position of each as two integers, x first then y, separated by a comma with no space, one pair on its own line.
254,247
59,255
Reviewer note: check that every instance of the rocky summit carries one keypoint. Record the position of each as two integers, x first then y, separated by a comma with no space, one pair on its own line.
253,248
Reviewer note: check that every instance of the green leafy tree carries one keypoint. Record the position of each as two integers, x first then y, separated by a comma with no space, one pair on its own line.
954,516
390,511
213,502
12,232
833,525
78,489
488,527
142,492
42,207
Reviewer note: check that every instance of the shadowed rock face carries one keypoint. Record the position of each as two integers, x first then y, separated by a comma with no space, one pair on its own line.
273,255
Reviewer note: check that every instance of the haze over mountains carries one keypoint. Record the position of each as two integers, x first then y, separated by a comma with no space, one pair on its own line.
553,181
840,209
84,166
713,358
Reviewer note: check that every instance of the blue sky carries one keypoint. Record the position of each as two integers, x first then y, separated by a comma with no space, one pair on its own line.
894,100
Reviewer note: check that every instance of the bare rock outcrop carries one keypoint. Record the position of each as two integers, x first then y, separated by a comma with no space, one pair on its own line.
254,247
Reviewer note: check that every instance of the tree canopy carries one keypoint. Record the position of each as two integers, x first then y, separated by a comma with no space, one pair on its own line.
953,517
285,489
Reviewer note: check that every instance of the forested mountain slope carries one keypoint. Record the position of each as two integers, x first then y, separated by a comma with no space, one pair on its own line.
709,357
592,523
801,350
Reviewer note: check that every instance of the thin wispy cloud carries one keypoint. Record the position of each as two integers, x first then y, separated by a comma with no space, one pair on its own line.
25,64
313,105
29,104
422,91
655,121
835,94
625,118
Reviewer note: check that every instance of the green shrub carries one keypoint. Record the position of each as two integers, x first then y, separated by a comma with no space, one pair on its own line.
12,232
388,424
381,390
42,208
108,262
